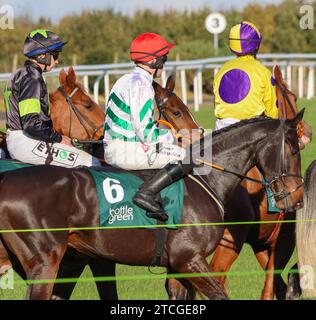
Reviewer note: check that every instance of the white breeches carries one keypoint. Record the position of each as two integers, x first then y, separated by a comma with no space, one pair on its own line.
32,151
137,156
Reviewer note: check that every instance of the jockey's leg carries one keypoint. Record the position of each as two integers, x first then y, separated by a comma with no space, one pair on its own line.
146,197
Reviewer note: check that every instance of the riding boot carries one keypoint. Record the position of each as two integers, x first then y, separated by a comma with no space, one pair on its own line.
146,196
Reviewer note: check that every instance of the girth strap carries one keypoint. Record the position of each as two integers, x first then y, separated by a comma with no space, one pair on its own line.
160,244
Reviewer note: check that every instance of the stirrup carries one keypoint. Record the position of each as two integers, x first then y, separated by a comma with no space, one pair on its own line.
144,203
162,216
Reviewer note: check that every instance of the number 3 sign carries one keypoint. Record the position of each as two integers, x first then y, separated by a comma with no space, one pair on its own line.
215,23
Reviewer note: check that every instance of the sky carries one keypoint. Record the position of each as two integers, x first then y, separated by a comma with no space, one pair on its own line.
56,9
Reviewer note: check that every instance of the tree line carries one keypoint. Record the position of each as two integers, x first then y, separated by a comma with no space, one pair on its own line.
104,36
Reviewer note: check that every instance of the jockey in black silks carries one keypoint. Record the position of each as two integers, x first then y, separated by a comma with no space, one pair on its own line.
30,134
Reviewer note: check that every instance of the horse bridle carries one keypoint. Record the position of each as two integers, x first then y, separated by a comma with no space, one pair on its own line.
283,174
279,177
161,106
84,121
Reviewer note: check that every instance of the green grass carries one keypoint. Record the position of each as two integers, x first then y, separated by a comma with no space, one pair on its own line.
240,287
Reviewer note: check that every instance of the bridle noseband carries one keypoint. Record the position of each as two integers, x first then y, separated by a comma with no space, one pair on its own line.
84,121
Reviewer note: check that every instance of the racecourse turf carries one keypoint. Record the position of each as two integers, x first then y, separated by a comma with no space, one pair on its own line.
246,278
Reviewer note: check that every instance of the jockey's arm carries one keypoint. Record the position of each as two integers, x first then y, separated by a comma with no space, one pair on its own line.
142,115
30,108
269,98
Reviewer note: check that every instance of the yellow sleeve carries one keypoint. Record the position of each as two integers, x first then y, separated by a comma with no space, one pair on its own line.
269,97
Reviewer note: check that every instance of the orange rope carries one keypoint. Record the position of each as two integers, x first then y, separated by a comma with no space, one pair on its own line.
211,164
168,124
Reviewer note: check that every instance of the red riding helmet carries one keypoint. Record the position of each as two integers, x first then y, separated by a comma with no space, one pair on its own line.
148,46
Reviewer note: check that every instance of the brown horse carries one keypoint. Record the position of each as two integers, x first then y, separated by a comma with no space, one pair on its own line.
272,245
71,202
72,112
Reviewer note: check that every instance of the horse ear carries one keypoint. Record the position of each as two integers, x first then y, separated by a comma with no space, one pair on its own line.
156,86
171,82
71,78
277,73
295,121
62,77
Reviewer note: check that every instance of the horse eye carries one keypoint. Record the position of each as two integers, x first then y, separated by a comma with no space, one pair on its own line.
177,114
88,105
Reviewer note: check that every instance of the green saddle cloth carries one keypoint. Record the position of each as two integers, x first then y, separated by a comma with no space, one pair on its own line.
115,193
9,165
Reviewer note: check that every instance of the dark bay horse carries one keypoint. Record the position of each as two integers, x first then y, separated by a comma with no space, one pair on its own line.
69,200
74,114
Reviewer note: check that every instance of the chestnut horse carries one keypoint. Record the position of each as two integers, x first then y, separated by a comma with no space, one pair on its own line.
74,114
71,202
272,244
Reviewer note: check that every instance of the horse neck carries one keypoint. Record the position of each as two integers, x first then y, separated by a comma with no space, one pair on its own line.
235,151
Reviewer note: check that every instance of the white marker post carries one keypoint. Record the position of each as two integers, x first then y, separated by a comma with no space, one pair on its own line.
215,23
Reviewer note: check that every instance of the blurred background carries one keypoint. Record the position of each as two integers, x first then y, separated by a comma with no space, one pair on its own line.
100,32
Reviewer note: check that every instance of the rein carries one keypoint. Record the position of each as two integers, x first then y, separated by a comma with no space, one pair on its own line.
81,117
239,175
277,179
168,124
161,106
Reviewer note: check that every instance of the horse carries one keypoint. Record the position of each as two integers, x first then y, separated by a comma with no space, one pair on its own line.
304,282
76,115
69,200
172,113
78,124
272,245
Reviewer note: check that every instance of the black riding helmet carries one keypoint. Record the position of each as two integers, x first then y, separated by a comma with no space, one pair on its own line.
42,41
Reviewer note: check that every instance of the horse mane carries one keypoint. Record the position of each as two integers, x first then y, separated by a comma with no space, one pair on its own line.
80,86
240,124
310,176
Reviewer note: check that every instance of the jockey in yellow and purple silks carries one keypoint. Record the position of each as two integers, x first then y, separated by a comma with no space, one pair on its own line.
243,87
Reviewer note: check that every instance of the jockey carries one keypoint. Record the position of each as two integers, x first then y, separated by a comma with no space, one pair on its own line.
243,87
132,139
30,135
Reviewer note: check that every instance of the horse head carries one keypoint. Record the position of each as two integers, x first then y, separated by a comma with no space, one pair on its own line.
288,108
281,158
172,110
73,112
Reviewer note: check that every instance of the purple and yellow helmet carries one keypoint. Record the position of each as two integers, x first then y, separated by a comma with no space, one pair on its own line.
244,38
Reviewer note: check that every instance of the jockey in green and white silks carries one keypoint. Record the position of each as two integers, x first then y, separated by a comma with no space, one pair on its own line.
131,137
244,87
130,133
